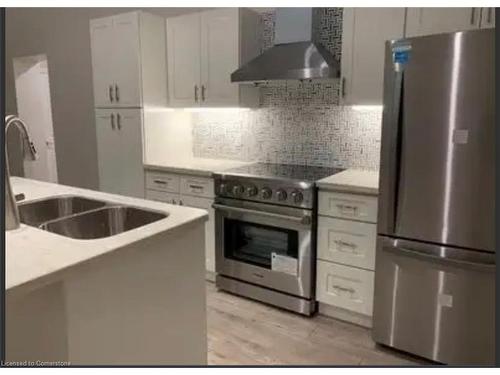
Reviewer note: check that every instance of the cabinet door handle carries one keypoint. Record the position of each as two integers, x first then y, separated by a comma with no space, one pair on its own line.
347,209
197,187
118,121
180,203
117,93
344,243
110,93
112,121
489,15
196,93
472,16
342,90
344,289
203,92
161,182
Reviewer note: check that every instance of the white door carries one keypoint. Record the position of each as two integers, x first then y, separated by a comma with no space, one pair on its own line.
427,21
126,60
365,32
102,49
129,129
34,108
219,56
108,151
183,54
487,18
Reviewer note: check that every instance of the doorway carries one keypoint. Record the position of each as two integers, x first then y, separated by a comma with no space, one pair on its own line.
34,108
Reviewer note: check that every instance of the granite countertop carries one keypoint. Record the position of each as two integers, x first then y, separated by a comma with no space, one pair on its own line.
195,166
32,255
352,181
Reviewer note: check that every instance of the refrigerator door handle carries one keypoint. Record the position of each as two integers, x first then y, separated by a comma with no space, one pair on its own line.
486,263
391,154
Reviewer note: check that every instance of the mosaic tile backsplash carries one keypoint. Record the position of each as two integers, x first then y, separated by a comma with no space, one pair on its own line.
298,122
307,135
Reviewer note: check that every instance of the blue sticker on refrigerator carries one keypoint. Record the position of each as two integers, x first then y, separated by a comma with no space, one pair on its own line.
401,53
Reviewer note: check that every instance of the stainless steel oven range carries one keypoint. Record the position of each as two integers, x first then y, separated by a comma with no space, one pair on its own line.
265,233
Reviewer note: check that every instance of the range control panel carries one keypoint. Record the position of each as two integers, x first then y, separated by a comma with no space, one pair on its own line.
281,192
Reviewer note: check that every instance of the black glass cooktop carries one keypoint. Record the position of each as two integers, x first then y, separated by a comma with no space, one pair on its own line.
306,173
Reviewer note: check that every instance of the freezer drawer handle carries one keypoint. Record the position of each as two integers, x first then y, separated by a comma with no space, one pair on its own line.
423,255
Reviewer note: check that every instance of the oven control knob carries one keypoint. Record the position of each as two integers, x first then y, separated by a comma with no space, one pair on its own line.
238,190
251,191
281,194
297,197
222,189
266,193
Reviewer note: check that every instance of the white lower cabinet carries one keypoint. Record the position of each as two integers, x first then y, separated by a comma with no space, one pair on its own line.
186,190
347,242
205,204
119,151
346,287
348,206
163,196
347,234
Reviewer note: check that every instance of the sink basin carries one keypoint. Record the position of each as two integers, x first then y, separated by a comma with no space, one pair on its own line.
38,212
103,222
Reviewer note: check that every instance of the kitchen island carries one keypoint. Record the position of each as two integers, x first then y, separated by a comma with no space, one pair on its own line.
134,298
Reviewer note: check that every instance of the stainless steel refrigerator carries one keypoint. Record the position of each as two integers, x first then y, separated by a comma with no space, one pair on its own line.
435,257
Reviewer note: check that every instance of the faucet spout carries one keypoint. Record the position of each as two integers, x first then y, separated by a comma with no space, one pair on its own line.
29,153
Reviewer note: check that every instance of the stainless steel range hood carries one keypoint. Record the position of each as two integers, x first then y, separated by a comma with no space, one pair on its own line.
294,54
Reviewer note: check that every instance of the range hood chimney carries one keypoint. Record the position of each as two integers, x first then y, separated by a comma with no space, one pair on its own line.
294,54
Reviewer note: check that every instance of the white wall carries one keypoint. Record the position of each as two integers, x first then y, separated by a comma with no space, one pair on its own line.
167,136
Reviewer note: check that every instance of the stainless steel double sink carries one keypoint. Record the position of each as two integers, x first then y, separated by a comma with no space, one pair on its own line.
83,218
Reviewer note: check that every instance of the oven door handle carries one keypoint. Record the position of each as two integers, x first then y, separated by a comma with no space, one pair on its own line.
304,219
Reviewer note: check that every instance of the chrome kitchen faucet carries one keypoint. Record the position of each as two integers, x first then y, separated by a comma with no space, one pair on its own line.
11,210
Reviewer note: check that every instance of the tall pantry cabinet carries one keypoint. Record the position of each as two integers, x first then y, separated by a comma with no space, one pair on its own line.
129,79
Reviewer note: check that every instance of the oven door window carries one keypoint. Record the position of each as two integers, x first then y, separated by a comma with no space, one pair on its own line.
255,243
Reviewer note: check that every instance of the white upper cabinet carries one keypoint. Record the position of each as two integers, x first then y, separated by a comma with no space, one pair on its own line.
365,31
101,38
183,45
427,21
203,50
219,56
487,18
128,60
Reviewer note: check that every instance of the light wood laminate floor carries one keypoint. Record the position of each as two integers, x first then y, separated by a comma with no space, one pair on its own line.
245,332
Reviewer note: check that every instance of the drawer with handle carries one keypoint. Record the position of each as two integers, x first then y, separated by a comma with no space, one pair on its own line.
347,242
163,182
197,186
162,196
348,206
346,287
